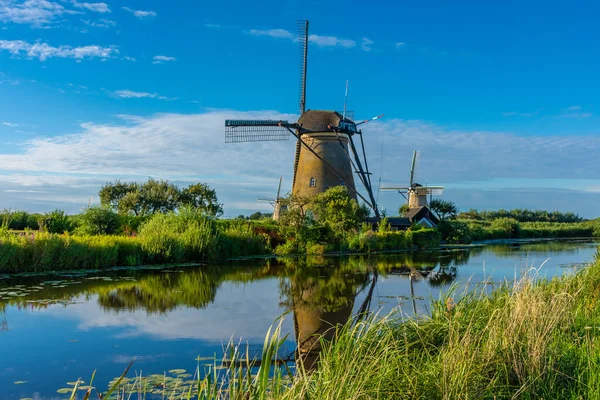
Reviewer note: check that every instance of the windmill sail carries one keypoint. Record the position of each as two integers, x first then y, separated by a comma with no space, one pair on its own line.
303,48
237,131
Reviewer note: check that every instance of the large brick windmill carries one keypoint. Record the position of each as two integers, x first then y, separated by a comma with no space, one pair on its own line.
326,153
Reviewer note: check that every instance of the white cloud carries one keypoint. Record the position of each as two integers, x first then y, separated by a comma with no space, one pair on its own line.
162,59
96,7
574,112
140,13
400,44
37,13
130,94
365,44
101,23
127,58
321,41
10,124
331,41
274,33
43,51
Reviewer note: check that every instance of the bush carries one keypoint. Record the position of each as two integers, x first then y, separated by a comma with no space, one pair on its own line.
99,221
425,238
506,227
455,232
55,222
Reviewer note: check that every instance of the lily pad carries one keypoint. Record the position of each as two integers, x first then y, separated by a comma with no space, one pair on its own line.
20,382
64,390
177,371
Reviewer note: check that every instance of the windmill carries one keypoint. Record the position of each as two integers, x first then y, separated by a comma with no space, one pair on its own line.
326,153
276,202
417,193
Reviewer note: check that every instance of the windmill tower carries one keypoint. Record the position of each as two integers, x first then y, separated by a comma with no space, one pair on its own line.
415,193
277,203
326,153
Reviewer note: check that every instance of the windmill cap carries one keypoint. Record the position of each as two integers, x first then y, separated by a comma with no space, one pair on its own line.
320,120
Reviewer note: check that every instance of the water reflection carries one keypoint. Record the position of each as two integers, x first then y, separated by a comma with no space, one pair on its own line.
182,312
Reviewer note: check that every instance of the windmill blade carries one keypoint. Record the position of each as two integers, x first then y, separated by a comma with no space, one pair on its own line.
412,168
303,46
279,188
369,120
267,200
237,131
394,188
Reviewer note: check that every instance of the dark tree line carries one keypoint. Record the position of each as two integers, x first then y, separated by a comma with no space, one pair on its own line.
522,215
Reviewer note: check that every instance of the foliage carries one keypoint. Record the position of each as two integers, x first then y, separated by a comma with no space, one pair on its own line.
404,208
158,196
455,232
508,227
55,222
444,209
99,221
522,215
336,210
20,220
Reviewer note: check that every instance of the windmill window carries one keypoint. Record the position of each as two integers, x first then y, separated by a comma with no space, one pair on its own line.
312,182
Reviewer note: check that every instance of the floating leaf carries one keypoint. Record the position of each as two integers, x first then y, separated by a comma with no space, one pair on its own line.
177,371
64,390
20,382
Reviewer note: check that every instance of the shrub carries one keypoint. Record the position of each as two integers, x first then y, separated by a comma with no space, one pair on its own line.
425,238
455,232
99,221
509,227
55,222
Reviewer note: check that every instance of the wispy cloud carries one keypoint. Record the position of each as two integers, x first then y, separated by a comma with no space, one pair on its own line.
96,7
140,13
162,59
318,40
274,33
130,94
10,124
574,112
519,114
400,44
365,44
37,13
213,26
101,23
43,51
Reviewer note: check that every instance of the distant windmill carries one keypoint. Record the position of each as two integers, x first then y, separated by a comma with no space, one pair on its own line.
276,202
415,193
326,154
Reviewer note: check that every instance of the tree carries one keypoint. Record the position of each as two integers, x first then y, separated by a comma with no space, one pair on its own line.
403,209
202,197
335,209
443,208
99,221
158,196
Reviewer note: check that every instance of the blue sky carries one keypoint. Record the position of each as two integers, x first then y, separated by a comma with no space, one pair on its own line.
501,98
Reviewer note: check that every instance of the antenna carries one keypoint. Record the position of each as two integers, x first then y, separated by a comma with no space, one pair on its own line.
345,100
412,169
303,43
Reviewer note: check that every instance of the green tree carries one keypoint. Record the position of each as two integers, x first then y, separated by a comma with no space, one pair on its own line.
158,196
443,208
403,209
336,210
99,221
202,197
55,222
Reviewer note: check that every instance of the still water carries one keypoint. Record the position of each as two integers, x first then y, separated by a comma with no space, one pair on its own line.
57,328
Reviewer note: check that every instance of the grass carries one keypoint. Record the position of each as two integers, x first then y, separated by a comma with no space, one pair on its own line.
528,339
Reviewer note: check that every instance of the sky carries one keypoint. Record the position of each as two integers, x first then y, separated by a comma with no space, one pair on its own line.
499,98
